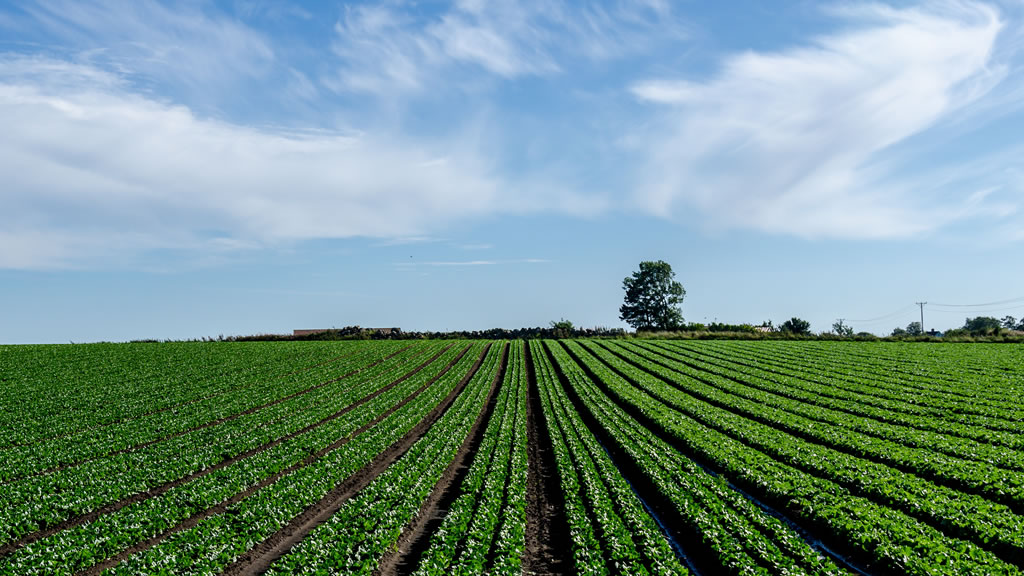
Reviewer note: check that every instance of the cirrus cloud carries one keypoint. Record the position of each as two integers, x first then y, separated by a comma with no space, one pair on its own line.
784,142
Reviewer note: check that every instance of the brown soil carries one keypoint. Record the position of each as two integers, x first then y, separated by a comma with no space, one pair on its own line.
198,517
548,544
158,490
700,559
259,558
415,538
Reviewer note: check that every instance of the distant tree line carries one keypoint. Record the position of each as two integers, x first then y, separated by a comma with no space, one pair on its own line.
562,329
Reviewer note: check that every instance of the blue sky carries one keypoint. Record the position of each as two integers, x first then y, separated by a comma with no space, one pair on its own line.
198,168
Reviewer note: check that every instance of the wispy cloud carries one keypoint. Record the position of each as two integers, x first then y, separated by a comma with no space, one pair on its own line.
179,44
115,172
389,48
782,142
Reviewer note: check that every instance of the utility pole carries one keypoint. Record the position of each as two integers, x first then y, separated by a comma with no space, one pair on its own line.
921,304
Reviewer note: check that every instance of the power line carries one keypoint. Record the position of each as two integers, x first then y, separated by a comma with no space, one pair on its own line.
973,311
899,312
1010,301
1015,303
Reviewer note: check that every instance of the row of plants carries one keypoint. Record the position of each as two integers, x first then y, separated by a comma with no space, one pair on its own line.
59,391
941,364
217,541
725,530
483,530
252,392
891,519
368,525
974,439
972,395
610,528
895,394
953,461
966,515
33,503
82,546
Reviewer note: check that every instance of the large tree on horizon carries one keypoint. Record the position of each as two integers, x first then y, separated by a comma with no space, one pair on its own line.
652,298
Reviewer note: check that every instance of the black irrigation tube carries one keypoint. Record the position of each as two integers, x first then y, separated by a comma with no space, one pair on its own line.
658,506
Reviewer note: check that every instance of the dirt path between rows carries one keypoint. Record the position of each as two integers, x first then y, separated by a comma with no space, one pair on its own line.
415,538
839,551
548,545
198,517
259,558
156,491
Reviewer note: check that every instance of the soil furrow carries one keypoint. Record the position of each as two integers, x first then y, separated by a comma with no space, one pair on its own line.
660,508
827,545
198,517
260,557
415,538
548,543
153,492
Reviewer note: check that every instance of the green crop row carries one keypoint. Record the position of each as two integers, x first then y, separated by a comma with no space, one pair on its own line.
880,382
468,534
54,392
733,532
968,370
138,432
218,540
357,536
842,432
82,546
975,439
775,467
36,502
969,516
629,539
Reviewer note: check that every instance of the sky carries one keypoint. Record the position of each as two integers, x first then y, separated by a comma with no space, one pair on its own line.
195,169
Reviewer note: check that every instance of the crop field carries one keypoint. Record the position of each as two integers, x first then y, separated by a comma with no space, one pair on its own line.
539,457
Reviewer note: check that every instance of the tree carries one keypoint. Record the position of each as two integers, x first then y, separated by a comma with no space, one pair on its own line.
563,328
1010,323
982,325
897,331
841,329
652,298
796,326
914,329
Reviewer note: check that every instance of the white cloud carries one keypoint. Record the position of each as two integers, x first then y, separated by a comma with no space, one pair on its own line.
179,44
782,142
386,48
380,51
92,169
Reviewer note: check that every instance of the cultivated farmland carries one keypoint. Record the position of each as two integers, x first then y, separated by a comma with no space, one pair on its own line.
473,457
